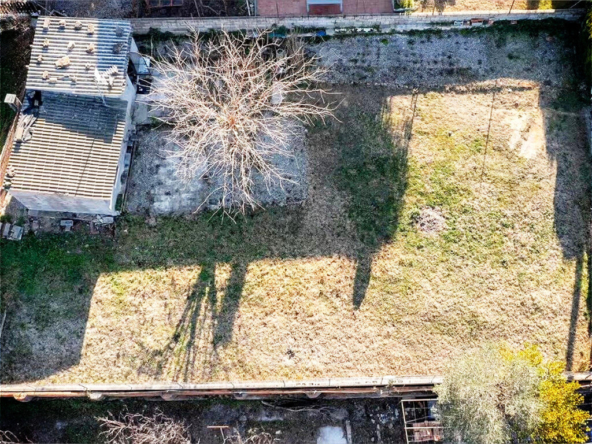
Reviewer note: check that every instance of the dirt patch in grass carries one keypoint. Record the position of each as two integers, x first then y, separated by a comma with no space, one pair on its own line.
431,221
345,284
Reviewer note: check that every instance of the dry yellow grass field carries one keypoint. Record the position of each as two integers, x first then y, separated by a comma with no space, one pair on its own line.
485,5
420,239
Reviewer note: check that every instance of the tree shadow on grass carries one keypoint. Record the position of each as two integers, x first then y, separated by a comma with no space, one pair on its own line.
572,201
355,199
363,160
355,196
357,184
373,175
47,282
192,329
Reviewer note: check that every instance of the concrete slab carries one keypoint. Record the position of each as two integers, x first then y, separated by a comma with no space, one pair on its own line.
156,188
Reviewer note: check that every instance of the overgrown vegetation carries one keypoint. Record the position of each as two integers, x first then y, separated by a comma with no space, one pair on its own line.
77,420
14,56
498,395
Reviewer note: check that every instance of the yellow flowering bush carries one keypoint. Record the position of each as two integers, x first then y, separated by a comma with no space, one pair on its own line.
561,419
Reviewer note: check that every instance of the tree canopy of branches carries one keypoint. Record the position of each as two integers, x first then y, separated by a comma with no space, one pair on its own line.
498,395
232,102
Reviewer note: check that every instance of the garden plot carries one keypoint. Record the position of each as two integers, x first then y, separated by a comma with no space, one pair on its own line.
436,219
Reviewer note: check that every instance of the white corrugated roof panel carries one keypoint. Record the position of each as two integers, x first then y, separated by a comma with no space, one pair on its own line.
74,149
58,37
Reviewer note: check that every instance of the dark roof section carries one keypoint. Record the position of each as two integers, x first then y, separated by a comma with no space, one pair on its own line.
74,147
93,48
17,7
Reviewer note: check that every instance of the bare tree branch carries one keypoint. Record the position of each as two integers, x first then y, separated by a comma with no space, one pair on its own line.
235,438
135,428
7,437
234,103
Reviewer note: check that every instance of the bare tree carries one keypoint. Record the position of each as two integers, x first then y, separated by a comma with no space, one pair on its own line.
234,104
135,428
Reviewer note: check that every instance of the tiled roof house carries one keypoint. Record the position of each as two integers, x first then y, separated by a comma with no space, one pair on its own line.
71,138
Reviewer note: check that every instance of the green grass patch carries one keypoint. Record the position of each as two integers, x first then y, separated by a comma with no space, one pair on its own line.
207,298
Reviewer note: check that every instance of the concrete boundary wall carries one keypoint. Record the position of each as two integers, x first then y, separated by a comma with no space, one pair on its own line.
386,23
378,387
328,388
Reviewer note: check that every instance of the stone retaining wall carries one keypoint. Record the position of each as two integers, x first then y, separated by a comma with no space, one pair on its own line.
386,23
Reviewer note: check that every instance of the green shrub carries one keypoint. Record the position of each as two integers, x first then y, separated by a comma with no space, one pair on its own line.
500,395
